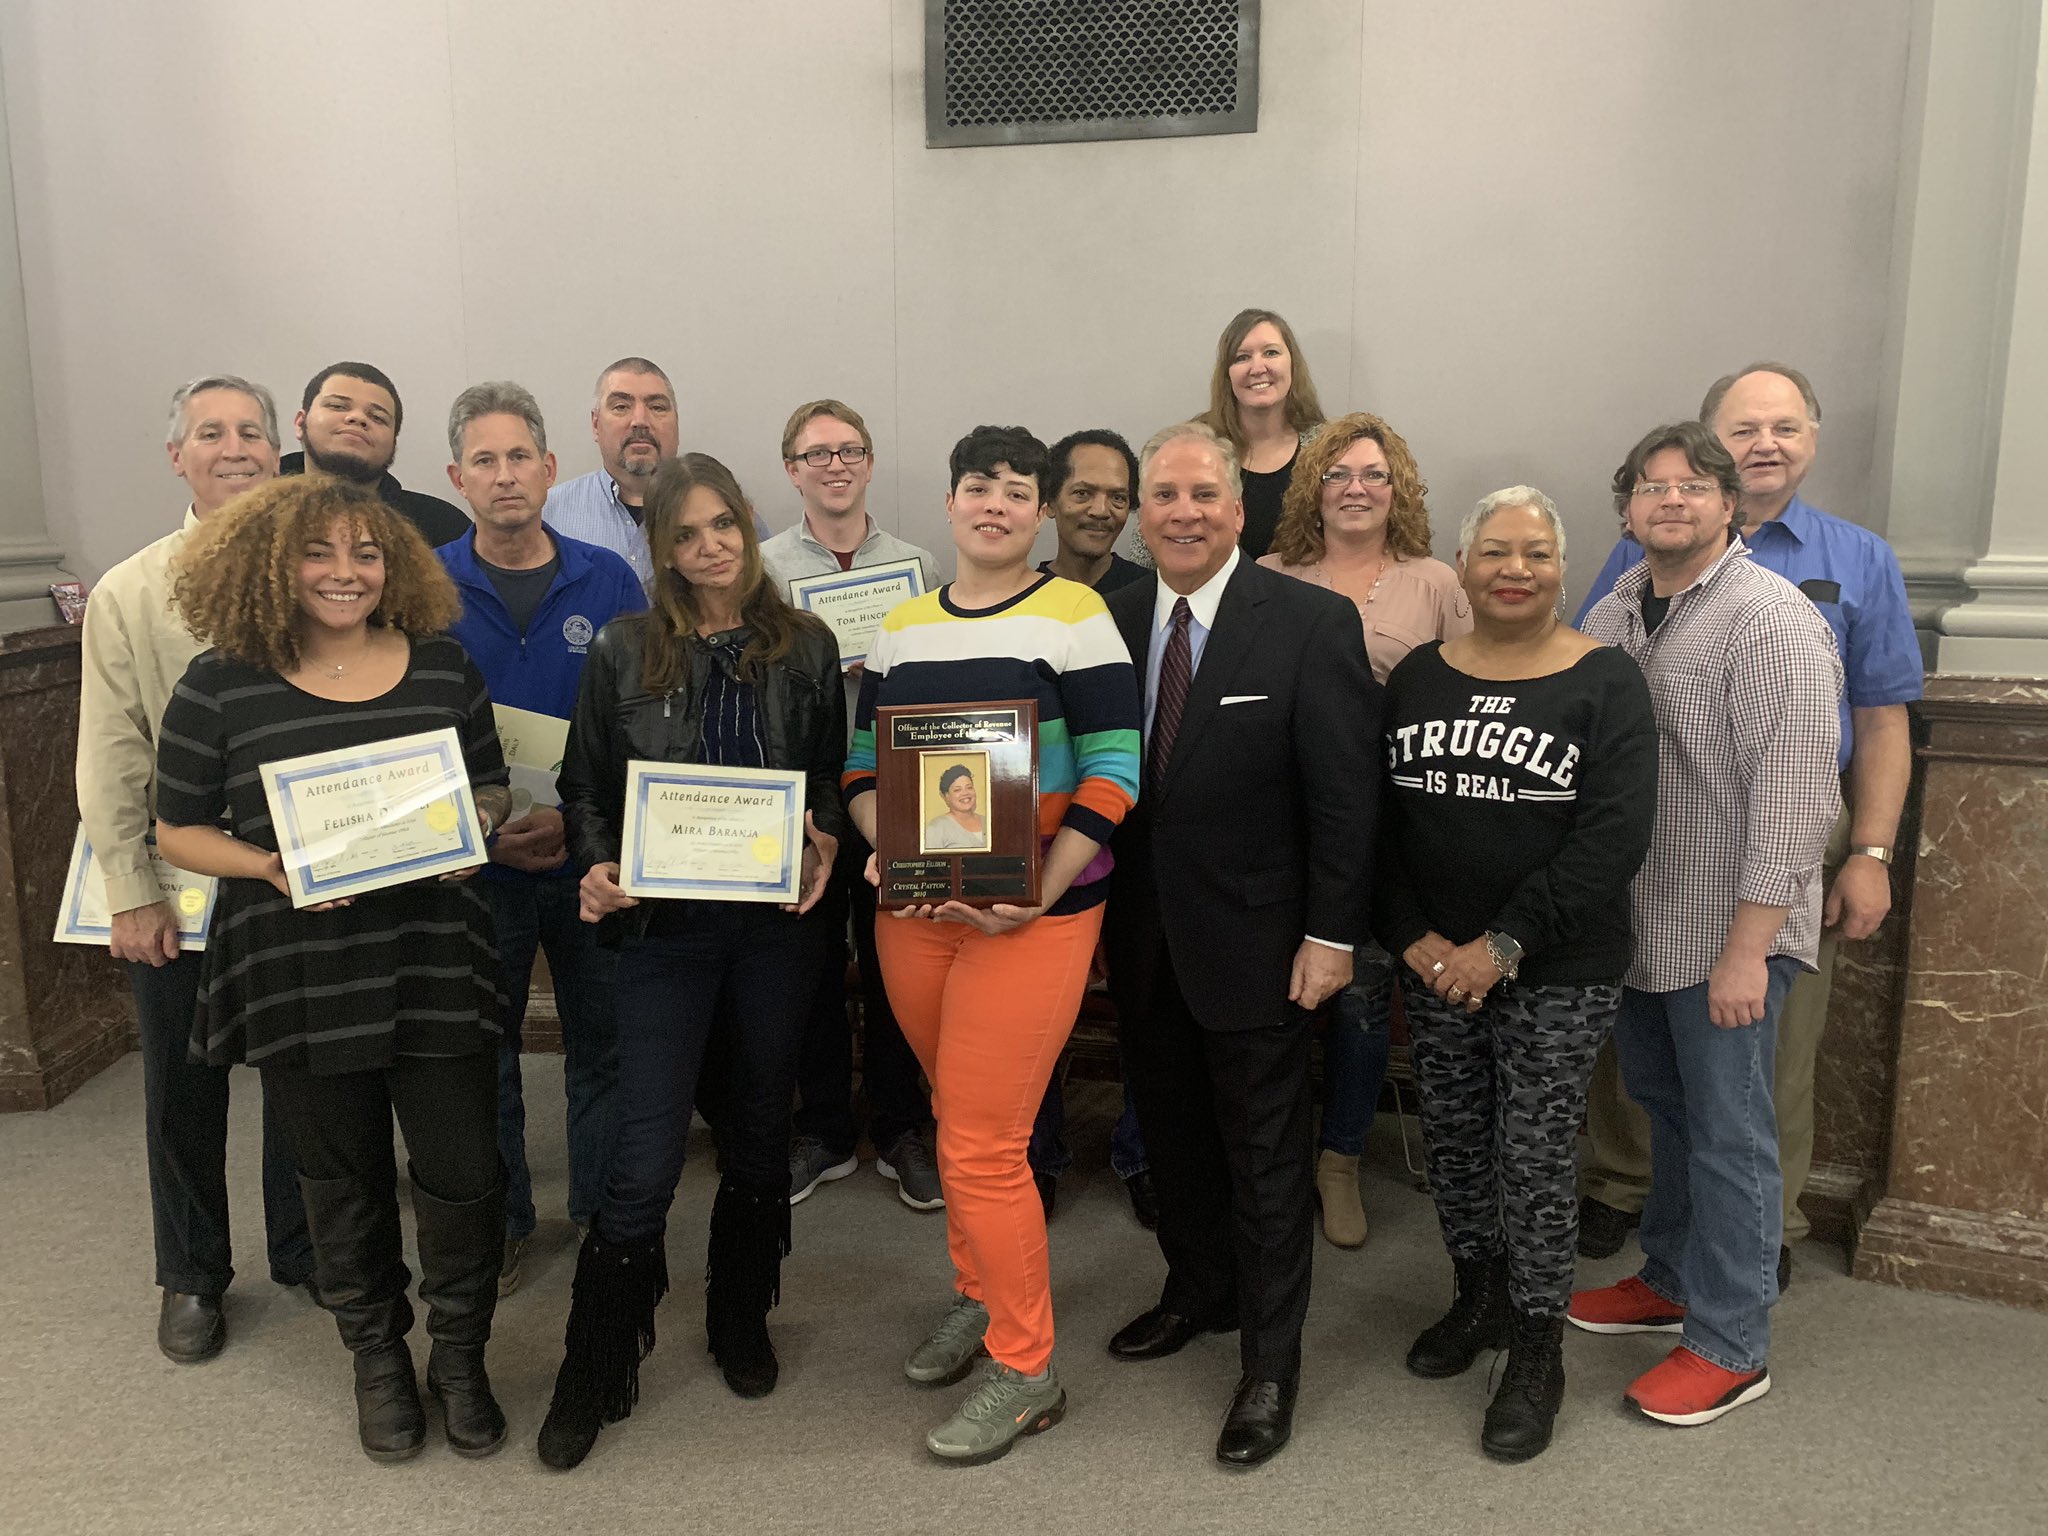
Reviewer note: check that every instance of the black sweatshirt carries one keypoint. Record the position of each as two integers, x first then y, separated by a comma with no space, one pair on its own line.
1520,807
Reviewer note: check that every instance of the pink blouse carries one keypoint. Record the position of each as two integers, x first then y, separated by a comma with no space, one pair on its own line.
1418,600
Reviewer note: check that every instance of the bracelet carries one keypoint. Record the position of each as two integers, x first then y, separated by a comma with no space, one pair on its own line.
1872,851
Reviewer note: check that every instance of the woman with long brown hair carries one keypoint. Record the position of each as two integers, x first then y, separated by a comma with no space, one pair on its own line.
326,612
1263,401
1356,521
720,670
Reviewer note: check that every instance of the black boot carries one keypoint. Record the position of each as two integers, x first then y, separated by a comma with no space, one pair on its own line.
610,1331
742,1280
1479,1319
362,1281
1531,1390
462,1246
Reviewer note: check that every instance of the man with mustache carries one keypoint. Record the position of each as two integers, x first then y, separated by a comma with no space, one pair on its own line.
348,426
1768,418
830,458
635,424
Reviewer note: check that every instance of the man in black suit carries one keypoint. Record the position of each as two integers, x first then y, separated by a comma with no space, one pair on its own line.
1242,881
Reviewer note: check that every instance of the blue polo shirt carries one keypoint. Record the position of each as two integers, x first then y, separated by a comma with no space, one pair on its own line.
539,669
1853,578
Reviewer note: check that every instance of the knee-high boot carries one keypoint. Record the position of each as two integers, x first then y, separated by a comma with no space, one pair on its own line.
361,1274
462,1245
742,1280
610,1331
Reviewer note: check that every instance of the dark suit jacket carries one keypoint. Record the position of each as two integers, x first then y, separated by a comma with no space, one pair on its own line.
1261,829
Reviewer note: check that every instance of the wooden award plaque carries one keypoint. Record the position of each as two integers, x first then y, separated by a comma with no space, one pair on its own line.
956,803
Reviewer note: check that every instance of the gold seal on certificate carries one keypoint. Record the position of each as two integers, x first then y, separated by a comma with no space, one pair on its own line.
853,603
712,834
83,918
367,817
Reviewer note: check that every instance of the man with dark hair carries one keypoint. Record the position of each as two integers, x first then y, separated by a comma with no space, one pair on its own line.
1727,910
1768,419
348,425
532,600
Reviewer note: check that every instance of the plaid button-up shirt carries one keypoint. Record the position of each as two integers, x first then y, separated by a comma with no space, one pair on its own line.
1745,680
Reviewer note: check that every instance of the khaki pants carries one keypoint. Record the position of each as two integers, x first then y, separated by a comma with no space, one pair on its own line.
1617,1166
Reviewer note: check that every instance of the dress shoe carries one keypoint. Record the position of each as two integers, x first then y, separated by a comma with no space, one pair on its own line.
190,1328
1158,1333
1260,1420
1144,1195
1784,1269
1048,1190
1603,1228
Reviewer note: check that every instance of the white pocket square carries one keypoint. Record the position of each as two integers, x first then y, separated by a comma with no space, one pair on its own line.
1245,698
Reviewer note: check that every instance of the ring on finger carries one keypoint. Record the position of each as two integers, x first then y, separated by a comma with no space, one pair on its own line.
1437,969
1457,994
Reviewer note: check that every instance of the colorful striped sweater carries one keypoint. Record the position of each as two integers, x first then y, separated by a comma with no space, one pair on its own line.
1053,642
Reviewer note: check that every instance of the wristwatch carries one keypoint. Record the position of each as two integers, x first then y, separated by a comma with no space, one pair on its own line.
1505,953
1872,851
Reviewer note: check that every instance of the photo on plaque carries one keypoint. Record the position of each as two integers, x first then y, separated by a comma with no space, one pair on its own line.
956,811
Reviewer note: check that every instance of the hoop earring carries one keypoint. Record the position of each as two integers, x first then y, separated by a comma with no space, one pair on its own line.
1560,604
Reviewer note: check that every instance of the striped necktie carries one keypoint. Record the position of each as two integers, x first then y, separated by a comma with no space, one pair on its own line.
1176,671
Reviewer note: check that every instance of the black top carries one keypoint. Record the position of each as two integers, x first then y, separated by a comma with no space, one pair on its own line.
1654,609
522,592
1121,573
438,521
410,970
1522,807
1263,492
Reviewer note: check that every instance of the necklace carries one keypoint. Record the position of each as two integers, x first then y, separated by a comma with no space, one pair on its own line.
1378,576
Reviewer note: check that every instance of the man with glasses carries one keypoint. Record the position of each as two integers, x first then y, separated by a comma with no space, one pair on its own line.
830,458
1727,911
1767,417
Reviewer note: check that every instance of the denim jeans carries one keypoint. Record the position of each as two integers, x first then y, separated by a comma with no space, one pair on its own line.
1048,1153
1714,1216
540,913
1355,1052
185,1104
746,970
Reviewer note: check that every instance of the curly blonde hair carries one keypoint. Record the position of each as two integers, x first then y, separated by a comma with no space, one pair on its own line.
1299,538
236,582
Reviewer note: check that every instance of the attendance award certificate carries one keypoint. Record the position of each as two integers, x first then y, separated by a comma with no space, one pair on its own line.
83,918
367,817
713,834
853,603
533,744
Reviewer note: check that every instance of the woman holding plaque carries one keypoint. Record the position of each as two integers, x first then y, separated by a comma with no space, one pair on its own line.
987,996
1355,521
719,671
325,611
1262,399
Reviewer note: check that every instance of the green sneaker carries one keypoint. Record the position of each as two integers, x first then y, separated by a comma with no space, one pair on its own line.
946,1356
1003,1409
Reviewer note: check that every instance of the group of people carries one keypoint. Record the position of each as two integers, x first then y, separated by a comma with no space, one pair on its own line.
1290,768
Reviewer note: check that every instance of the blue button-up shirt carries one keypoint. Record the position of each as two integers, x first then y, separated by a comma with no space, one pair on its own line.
589,508
1852,577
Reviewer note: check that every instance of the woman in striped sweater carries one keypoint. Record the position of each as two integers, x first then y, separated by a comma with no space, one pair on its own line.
987,997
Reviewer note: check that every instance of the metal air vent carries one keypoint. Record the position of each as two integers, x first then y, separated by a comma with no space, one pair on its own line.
1050,71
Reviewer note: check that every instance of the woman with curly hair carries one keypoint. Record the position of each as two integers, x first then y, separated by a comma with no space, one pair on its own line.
1262,399
325,612
1355,521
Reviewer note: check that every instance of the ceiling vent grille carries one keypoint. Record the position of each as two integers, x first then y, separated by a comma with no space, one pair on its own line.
1051,71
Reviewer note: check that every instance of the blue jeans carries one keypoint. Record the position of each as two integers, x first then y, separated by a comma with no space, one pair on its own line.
1715,1215
1048,1152
1355,1053
540,913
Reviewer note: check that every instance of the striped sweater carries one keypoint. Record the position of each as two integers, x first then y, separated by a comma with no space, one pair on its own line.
1055,643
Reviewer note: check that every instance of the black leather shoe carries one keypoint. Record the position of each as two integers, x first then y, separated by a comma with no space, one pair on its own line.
1603,1229
1048,1190
190,1328
1144,1199
1260,1420
389,1420
1784,1269
1158,1333
457,1380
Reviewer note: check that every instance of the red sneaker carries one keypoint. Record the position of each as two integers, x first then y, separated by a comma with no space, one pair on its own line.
1686,1389
1629,1307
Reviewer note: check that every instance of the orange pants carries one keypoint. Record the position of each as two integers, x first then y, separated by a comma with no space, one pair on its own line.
987,1017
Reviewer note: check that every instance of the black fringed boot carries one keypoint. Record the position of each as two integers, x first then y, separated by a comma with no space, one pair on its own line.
742,1280
610,1331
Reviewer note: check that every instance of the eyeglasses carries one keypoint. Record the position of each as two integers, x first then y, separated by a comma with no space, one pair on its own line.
1374,477
818,458
1691,490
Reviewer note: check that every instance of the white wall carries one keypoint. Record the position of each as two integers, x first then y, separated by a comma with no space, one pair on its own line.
1524,233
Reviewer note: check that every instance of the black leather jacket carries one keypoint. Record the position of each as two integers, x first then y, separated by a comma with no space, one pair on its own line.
803,724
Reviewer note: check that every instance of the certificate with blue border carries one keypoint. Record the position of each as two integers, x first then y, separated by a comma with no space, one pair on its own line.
83,918
363,818
712,834
854,603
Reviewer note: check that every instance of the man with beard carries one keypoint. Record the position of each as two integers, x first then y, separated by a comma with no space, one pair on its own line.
634,422
348,425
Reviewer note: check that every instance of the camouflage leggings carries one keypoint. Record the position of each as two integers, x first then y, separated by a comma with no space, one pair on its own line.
1503,1091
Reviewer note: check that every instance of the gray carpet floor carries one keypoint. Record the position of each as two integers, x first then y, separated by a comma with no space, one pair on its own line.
1891,1411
